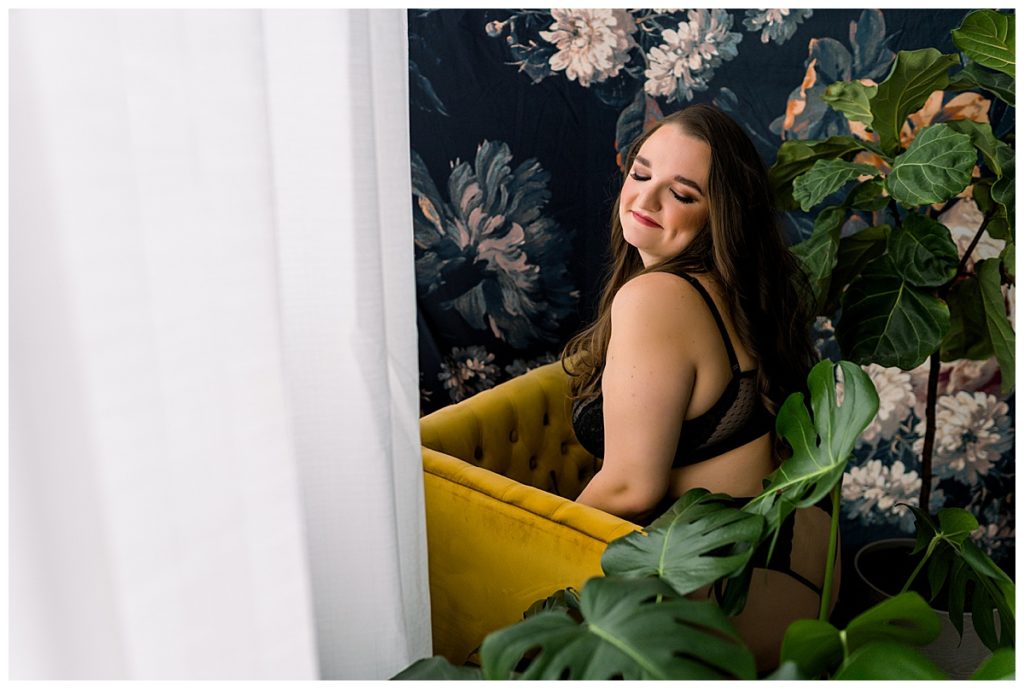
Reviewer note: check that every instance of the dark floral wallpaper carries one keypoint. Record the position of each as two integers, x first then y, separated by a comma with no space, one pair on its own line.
519,119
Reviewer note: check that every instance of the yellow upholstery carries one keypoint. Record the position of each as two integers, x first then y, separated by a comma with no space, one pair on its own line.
502,469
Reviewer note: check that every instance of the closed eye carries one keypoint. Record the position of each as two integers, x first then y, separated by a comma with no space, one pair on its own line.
679,197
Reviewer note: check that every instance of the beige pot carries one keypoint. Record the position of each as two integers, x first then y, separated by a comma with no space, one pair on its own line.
958,657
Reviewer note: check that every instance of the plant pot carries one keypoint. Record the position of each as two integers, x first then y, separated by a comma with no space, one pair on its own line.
882,568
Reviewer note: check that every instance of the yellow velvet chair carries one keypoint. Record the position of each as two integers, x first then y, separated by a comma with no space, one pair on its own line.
501,471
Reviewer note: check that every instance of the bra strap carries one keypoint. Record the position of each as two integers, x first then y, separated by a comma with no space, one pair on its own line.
733,362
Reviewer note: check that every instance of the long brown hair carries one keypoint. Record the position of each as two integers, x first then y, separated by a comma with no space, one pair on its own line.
742,247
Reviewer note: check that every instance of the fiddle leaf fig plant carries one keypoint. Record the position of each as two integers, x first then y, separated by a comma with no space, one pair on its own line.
894,283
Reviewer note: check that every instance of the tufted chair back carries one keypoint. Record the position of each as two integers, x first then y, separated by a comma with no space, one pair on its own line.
520,429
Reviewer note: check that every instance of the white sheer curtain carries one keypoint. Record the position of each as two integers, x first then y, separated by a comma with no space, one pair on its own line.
215,465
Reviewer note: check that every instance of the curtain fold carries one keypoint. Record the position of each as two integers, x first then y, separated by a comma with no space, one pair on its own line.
214,456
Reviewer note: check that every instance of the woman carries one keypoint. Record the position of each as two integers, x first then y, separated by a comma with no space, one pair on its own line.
700,336
700,333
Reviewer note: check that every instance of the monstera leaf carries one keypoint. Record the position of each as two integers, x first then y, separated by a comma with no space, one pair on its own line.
439,668
822,444
915,74
632,629
817,647
935,167
826,177
987,37
1000,665
699,540
881,660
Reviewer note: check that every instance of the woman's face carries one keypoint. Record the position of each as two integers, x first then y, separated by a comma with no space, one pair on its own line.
663,204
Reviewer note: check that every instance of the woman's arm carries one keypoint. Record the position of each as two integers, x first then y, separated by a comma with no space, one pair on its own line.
648,377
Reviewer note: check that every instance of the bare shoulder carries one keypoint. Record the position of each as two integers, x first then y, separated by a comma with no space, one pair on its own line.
660,298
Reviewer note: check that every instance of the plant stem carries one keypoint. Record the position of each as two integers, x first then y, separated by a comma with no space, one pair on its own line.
913,575
830,560
929,432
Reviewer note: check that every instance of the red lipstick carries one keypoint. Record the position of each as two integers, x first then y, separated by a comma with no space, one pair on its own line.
644,220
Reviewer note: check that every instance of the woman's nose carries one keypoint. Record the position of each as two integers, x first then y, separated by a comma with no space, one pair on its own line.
648,198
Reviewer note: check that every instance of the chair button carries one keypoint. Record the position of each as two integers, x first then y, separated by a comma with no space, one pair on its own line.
533,462
547,419
478,454
513,436
564,449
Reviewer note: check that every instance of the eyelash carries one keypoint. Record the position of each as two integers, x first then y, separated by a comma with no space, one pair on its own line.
680,199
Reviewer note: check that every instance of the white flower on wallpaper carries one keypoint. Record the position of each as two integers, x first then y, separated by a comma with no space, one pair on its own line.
467,371
972,432
896,399
871,491
775,25
685,62
593,45
963,219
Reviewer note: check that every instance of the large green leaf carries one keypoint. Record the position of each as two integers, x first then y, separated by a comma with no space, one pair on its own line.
1007,256
887,660
700,539
814,646
999,665
630,630
987,37
889,322
851,98
824,178
923,252
999,330
974,77
822,444
1003,190
867,196
438,668
915,74
905,618
856,252
818,647
935,167
817,254
982,139
797,156
968,330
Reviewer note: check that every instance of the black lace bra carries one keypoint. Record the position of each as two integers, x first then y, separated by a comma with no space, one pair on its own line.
738,416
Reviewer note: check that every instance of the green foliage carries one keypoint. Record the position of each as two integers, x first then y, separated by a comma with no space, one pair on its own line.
851,98
897,623
999,331
915,74
967,337
887,661
701,539
936,167
973,76
987,37
888,321
817,254
952,555
1000,665
796,157
923,253
821,445
826,177
632,628
439,668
